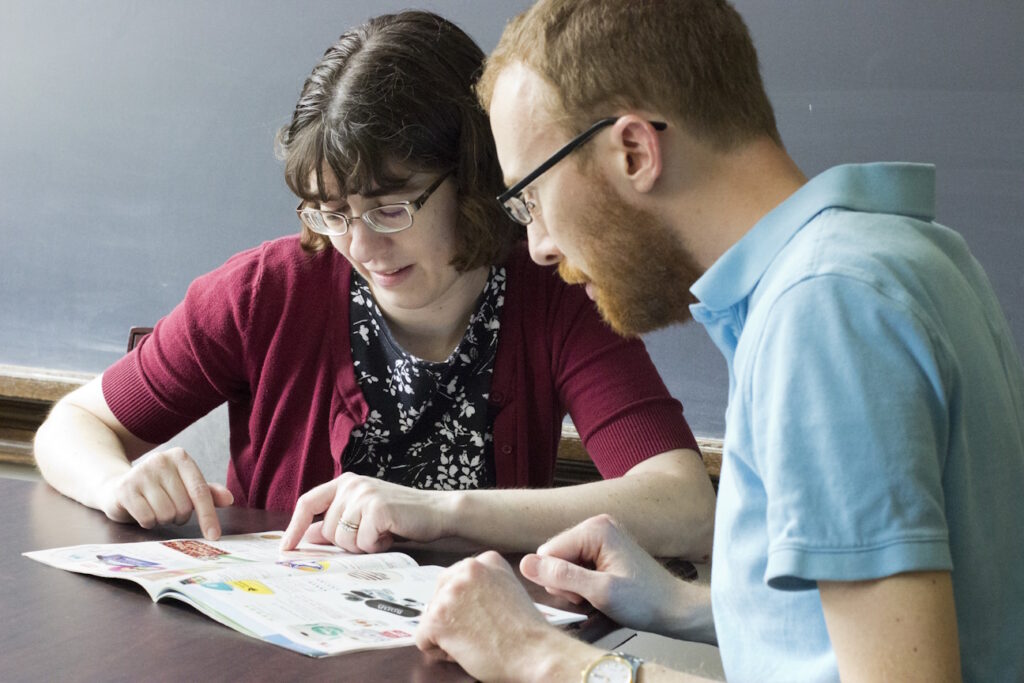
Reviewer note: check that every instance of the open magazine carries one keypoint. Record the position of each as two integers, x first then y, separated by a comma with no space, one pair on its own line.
317,600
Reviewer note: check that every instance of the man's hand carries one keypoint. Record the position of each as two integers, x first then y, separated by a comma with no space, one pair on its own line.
482,618
363,514
625,583
163,488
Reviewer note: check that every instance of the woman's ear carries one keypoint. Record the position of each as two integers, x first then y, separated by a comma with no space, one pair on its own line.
639,151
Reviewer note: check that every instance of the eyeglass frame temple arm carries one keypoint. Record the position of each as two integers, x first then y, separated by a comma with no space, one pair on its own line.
566,150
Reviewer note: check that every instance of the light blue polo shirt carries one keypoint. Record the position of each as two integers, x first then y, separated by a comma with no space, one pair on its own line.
875,423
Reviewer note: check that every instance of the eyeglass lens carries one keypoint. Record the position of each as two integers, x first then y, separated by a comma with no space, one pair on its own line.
517,210
386,218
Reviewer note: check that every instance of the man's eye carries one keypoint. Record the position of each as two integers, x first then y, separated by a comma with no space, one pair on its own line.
390,211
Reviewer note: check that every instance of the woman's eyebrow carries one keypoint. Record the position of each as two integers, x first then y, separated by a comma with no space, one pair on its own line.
385,190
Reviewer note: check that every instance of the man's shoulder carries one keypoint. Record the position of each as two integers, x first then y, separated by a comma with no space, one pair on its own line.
897,255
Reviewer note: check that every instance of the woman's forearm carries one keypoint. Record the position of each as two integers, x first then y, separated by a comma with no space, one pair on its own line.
665,502
76,451
76,454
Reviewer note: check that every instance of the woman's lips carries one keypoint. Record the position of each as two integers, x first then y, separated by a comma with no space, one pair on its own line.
390,278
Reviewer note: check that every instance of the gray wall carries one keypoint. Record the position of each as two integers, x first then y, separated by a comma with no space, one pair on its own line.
136,144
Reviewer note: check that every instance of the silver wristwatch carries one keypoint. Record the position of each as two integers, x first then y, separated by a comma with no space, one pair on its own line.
613,667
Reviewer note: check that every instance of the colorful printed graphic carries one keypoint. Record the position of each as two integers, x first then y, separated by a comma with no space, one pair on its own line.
196,549
124,563
216,586
323,633
373,575
252,587
306,565
326,630
385,601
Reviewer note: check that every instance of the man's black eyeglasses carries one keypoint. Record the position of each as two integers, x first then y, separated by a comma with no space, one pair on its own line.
517,208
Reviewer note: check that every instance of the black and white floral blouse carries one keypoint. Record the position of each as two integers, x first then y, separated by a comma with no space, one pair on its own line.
429,425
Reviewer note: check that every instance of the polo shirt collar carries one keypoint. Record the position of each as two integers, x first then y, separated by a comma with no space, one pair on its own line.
895,188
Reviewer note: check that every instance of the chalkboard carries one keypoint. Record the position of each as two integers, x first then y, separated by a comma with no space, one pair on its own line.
136,145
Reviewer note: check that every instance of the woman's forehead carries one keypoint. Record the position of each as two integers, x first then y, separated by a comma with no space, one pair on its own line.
397,177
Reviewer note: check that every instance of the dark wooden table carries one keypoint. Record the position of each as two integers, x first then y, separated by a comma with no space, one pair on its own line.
57,625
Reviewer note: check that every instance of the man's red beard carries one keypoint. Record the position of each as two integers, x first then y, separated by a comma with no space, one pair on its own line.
640,273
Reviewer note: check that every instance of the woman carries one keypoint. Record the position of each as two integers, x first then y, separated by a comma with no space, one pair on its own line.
399,359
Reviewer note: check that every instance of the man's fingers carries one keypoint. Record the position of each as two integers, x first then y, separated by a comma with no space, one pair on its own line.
425,641
574,598
493,559
586,542
555,574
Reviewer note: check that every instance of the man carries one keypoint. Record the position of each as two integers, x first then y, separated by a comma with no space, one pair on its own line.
868,522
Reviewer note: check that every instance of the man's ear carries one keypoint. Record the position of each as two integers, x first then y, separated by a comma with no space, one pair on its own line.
639,151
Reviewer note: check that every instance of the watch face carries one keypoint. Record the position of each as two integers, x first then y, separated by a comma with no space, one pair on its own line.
610,670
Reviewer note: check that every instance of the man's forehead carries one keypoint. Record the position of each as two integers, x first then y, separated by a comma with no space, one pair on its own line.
521,120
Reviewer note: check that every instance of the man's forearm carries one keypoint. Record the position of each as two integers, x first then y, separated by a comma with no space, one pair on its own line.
560,658
668,507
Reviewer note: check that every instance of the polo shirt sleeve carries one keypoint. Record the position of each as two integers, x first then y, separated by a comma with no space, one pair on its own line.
611,389
193,360
849,429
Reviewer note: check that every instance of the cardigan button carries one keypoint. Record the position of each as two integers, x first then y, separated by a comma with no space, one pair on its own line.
497,398
506,449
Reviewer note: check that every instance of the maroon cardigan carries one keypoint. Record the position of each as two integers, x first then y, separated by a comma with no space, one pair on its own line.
268,332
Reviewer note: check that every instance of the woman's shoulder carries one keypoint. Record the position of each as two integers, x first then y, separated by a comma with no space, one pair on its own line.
279,262
535,284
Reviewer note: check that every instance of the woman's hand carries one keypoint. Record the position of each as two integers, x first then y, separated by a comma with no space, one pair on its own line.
163,488
363,514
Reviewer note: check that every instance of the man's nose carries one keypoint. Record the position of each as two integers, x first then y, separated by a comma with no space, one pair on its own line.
542,248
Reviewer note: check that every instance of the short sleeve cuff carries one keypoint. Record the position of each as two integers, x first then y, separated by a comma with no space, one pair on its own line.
134,405
656,429
798,568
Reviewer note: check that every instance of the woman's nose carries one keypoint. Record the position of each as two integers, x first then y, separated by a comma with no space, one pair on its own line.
364,243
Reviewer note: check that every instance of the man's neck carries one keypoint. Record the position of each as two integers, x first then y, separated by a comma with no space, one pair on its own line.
729,193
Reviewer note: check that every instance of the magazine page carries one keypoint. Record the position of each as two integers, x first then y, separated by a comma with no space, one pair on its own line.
322,610
318,600
157,564
316,611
